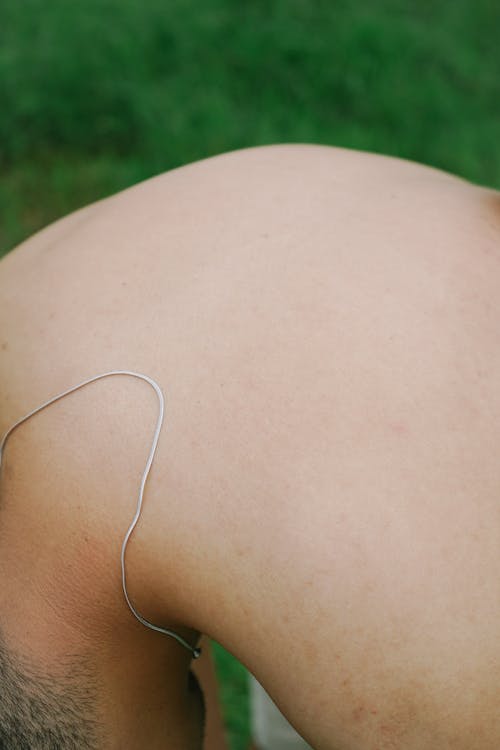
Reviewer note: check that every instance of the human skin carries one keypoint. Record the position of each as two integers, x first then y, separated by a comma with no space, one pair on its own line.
324,499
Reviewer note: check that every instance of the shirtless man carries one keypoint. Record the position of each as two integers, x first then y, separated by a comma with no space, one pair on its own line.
325,497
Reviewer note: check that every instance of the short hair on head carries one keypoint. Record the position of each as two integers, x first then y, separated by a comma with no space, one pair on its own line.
46,712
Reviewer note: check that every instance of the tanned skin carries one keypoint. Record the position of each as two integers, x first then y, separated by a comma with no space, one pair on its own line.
324,499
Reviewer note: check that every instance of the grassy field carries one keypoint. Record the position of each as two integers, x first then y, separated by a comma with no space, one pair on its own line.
97,95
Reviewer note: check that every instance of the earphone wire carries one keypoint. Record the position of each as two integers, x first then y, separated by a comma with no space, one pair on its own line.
194,651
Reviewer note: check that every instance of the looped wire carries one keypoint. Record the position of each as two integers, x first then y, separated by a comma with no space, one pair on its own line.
194,651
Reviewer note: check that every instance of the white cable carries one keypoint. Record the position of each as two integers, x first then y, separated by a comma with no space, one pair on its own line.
195,651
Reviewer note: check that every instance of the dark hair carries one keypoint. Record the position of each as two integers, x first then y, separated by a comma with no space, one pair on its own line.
45,712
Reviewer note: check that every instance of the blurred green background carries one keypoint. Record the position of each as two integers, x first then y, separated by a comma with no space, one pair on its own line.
97,95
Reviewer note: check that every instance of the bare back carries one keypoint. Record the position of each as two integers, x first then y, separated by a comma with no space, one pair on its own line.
325,499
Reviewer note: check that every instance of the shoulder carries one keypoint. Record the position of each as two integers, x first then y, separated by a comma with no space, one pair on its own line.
304,316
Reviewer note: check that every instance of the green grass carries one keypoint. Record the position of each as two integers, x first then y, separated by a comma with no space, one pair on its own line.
233,680
97,95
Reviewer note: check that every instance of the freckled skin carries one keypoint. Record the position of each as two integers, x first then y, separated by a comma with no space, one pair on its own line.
324,499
